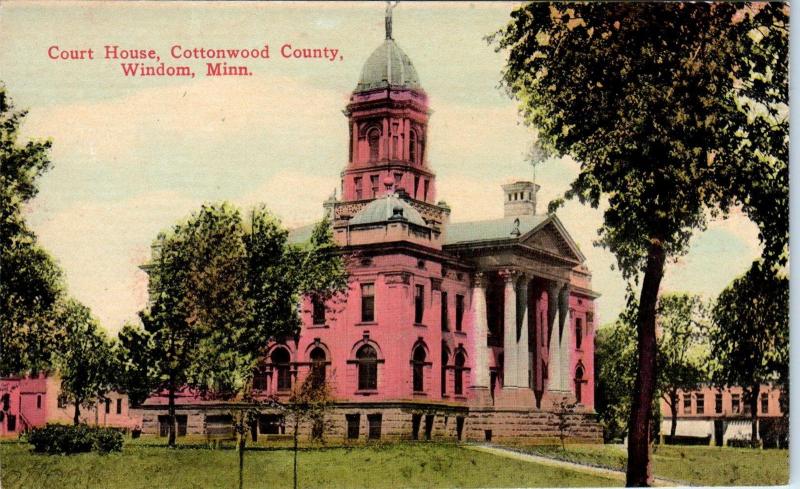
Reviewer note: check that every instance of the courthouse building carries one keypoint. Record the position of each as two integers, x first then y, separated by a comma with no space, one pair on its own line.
470,330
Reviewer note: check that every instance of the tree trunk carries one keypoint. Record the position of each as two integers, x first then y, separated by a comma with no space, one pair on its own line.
241,443
639,472
673,404
754,391
76,418
296,427
171,412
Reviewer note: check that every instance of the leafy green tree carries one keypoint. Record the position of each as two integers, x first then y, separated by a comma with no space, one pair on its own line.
682,348
657,102
134,363
615,362
32,283
85,359
309,402
750,338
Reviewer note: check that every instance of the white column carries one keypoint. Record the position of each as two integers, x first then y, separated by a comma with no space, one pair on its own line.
554,346
566,340
480,333
523,359
509,329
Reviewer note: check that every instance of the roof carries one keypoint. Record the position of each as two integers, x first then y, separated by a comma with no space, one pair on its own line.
302,234
385,209
492,229
388,65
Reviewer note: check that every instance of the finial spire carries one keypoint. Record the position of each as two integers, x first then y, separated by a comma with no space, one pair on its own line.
389,6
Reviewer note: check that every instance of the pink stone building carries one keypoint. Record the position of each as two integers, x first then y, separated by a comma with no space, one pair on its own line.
717,416
28,402
480,327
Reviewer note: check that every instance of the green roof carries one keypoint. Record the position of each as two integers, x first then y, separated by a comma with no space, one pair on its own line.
386,209
490,230
388,65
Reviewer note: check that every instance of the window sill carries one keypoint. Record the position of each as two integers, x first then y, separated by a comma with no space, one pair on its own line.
370,392
460,333
318,326
459,397
419,394
420,325
367,323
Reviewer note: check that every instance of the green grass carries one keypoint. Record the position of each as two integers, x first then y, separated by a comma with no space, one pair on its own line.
146,465
697,465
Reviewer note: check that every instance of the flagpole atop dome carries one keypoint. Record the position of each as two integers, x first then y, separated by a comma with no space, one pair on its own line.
388,19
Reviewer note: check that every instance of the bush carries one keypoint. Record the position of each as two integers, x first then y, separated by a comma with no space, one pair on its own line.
107,440
66,439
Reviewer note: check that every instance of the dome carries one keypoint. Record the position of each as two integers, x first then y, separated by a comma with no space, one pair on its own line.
388,64
386,209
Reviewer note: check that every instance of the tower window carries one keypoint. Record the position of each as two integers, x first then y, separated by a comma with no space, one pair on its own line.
419,303
459,311
373,139
418,368
359,190
374,182
578,333
367,303
445,316
412,146
367,359
416,186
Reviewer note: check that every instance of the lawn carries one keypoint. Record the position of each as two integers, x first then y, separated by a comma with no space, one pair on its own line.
377,466
697,465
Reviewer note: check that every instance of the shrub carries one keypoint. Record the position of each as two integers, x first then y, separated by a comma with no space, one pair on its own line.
107,440
57,438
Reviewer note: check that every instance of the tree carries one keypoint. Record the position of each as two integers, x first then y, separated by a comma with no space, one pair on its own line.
615,363
750,338
134,363
84,359
656,102
309,402
32,283
221,290
682,348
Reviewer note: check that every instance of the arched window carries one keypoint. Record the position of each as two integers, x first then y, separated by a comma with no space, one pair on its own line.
412,146
459,371
579,384
367,359
445,359
418,363
373,139
280,365
317,366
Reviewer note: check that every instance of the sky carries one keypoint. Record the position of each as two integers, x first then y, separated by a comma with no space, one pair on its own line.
133,155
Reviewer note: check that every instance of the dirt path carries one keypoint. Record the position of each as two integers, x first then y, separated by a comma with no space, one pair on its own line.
588,469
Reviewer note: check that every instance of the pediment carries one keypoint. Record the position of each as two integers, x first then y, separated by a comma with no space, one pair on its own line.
552,238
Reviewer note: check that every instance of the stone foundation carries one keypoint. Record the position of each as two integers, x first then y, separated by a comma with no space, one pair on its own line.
403,421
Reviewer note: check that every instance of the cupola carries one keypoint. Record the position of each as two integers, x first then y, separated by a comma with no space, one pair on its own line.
519,199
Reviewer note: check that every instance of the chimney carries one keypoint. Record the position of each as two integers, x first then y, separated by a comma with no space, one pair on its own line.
519,199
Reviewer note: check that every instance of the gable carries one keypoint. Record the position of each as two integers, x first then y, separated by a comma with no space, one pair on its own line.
552,238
